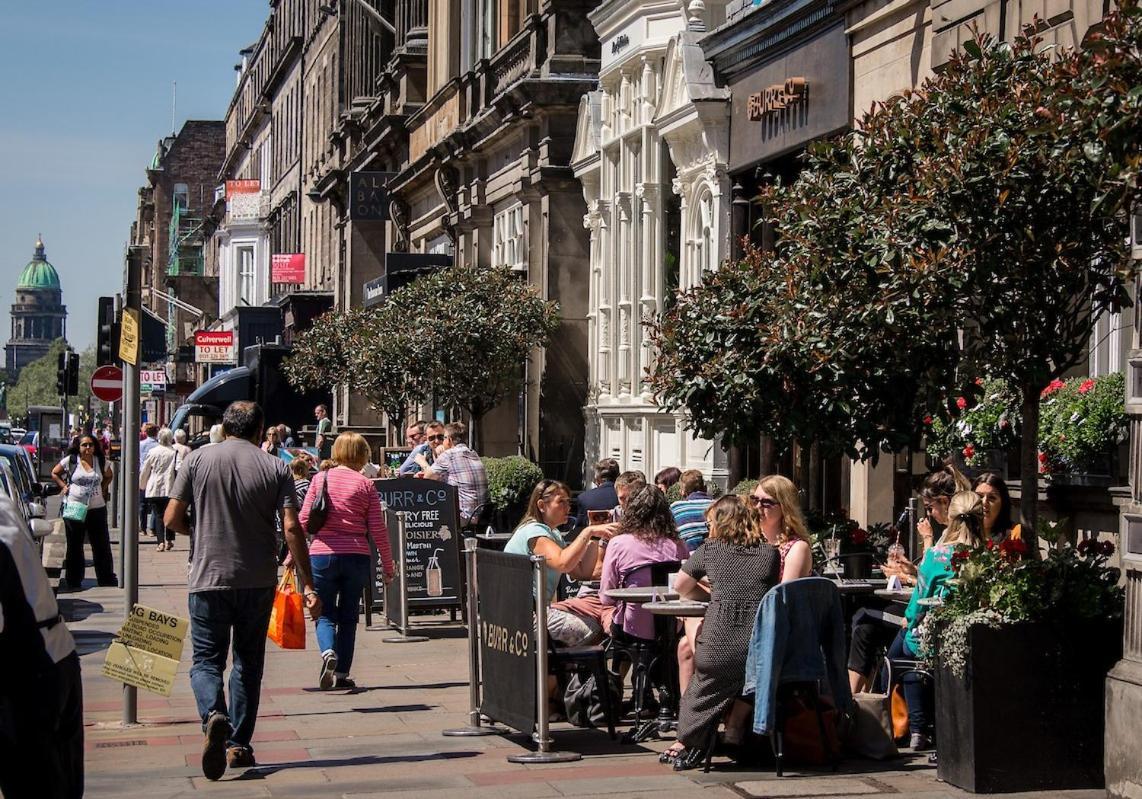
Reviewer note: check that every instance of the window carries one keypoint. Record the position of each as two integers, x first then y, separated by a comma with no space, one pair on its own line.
247,273
509,244
182,195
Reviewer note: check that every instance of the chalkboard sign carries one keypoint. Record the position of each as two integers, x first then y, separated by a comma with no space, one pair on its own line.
505,586
394,457
432,533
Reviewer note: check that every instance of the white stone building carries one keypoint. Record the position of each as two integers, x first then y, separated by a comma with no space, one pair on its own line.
651,151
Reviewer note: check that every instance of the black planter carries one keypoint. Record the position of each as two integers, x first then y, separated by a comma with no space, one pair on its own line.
858,565
1028,716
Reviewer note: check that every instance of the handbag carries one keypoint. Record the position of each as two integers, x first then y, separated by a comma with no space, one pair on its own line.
74,510
287,617
869,731
801,731
319,510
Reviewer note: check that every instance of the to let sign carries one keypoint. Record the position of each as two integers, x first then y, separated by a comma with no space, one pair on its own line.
234,187
369,196
214,346
287,268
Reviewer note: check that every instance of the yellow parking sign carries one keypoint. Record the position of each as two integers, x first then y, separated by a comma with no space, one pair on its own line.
129,337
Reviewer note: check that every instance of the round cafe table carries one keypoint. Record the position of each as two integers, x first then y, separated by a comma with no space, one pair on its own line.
642,595
683,608
901,595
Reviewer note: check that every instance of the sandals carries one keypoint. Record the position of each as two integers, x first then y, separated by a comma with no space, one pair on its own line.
690,758
669,755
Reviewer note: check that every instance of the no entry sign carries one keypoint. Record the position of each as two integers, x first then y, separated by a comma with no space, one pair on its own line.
107,383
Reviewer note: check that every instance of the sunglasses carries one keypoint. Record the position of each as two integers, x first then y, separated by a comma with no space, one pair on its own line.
437,438
764,504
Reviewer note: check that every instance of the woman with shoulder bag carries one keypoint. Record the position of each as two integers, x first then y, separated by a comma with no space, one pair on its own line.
83,477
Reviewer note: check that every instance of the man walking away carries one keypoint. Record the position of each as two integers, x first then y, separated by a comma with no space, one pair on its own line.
235,489
41,694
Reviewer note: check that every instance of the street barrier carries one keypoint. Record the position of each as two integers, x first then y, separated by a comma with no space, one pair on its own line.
507,635
398,590
475,726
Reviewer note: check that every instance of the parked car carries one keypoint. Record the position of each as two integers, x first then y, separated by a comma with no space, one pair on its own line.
31,491
38,529
31,442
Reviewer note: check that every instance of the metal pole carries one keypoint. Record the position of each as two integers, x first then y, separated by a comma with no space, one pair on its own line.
129,531
475,727
913,531
544,754
402,590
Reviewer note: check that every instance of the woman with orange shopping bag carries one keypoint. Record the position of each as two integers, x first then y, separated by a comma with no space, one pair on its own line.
340,554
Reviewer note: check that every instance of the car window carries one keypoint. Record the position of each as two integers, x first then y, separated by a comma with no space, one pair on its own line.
29,437
20,476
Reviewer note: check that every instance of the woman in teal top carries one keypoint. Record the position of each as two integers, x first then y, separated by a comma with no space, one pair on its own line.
965,529
547,509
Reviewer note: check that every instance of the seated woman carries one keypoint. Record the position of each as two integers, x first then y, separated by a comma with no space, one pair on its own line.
965,529
998,525
776,502
549,507
740,567
936,494
645,535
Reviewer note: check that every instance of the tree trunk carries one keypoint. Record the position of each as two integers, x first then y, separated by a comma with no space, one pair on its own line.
735,463
1029,465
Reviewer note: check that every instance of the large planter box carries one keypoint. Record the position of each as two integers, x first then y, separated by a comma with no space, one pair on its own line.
1028,716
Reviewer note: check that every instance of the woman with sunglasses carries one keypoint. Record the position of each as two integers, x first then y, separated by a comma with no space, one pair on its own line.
776,500
83,477
939,487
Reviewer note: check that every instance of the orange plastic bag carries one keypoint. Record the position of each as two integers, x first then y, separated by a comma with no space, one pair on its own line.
899,714
287,619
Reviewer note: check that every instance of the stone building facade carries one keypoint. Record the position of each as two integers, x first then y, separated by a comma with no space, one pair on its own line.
38,316
651,151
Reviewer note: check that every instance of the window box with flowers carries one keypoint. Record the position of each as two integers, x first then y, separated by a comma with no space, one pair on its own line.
1021,649
1082,421
982,425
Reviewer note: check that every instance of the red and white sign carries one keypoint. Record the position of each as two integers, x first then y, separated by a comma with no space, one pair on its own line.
242,187
215,346
107,383
289,268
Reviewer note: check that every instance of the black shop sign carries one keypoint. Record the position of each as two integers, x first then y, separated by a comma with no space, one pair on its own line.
432,530
369,196
505,585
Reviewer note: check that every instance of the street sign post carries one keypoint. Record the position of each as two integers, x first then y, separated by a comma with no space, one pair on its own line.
107,383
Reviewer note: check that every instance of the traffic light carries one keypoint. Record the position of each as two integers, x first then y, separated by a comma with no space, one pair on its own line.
107,339
73,374
61,373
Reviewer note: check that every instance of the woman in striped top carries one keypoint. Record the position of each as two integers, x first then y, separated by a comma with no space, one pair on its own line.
340,554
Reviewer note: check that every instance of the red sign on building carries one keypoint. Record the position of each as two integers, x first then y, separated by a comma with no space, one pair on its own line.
287,268
214,346
242,187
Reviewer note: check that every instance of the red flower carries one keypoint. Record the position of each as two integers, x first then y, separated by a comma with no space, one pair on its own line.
979,381
1086,546
961,403
990,545
1052,387
1013,548
1086,386
928,420
969,451
959,557
1042,457
1106,548
859,536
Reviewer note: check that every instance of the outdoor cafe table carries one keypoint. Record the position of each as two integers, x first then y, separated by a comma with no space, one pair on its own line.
642,595
851,587
900,595
682,608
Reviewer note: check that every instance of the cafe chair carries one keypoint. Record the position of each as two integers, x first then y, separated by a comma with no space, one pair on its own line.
583,659
650,659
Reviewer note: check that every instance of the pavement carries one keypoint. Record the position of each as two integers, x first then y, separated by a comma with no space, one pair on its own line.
385,737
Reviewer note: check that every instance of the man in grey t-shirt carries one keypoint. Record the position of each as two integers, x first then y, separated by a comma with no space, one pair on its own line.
236,489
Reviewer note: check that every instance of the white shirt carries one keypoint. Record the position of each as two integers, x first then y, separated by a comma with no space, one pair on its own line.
83,484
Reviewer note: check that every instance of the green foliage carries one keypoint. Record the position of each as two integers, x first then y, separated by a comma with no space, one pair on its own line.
674,493
744,488
1081,420
37,383
511,480
992,422
461,334
995,585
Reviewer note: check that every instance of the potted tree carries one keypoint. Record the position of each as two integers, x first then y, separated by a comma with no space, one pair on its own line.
1022,648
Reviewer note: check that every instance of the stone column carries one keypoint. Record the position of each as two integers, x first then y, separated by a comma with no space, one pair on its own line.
1123,758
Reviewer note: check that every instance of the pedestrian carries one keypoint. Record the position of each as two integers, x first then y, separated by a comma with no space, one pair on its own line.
146,444
216,435
235,489
41,692
180,447
157,479
83,477
460,466
324,439
341,557
300,468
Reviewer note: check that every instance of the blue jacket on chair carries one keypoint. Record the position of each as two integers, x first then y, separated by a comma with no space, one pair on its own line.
798,636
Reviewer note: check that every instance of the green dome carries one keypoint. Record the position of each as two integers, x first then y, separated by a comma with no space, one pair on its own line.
39,274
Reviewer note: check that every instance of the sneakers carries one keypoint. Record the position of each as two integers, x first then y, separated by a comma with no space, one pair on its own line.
328,677
214,746
345,682
240,757
919,742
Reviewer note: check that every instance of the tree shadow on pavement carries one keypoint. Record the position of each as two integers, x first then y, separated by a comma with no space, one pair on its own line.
77,609
261,772
88,641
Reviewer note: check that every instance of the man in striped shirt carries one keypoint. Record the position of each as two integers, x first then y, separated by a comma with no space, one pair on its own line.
690,511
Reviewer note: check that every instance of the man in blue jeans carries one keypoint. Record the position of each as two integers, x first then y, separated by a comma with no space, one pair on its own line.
236,489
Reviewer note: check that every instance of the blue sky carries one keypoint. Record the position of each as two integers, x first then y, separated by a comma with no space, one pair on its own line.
85,95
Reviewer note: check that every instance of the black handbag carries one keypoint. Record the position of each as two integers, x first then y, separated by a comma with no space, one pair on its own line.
319,510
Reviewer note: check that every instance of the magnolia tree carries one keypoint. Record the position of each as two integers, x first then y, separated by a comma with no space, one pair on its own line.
972,226
460,335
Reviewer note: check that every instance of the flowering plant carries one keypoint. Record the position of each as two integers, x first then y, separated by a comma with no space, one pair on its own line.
975,426
851,537
1080,421
996,585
